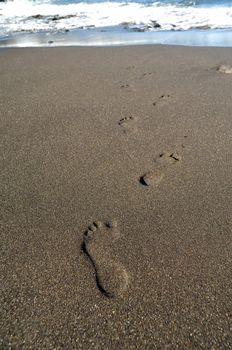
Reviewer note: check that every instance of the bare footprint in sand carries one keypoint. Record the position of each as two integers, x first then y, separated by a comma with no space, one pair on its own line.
224,68
154,177
124,85
162,98
127,123
146,74
112,279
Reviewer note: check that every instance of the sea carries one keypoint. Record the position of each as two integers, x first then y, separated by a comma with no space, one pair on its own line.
115,22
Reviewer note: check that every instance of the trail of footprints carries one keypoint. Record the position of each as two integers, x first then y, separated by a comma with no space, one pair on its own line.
112,278
125,85
128,123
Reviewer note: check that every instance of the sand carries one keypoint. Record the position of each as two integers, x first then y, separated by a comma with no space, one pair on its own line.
115,198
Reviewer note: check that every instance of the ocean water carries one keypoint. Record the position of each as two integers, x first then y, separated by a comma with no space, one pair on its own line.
131,16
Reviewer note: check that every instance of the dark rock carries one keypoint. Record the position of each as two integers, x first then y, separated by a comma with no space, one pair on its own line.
205,27
52,18
58,18
125,24
37,17
144,28
55,18
137,29
155,24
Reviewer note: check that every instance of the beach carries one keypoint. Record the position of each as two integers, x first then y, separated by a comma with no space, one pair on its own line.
115,198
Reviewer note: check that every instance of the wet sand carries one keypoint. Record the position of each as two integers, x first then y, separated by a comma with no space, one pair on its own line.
115,198
110,36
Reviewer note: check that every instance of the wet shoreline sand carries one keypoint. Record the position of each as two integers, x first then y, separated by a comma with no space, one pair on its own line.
117,36
115,205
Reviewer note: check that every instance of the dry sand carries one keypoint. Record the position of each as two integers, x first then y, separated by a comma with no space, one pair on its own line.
116,198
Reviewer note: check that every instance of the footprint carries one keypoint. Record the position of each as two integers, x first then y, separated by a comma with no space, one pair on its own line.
146,74
151,178
167,157
112,278
154,177
130,67
124,85
162,98
225,68
127,124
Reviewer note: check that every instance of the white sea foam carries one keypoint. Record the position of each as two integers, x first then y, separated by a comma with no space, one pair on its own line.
16,16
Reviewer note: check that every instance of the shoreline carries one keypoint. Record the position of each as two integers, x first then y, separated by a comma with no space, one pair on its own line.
115,198
106,37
